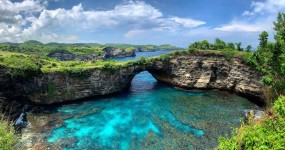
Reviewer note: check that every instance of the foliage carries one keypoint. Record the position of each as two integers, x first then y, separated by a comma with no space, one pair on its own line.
231,46
263,38
192,50
248,48
217,45
7,134
279,26
40,49
130,49
228,54
268,134
239,46
270,58
18,65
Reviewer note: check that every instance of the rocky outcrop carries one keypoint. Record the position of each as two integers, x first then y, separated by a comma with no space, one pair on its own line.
112,52
209,71
59,87
190,71
64,55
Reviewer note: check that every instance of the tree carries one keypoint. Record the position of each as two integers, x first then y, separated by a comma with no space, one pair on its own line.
239,46
204,44
276,53
248,48
279,26
220,44
263,38
231,46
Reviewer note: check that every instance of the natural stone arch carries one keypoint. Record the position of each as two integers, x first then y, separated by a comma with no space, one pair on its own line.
190,71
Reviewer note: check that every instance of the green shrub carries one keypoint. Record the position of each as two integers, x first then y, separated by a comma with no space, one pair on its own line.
18,65
110,67
228,54
164,57
269,133
7,135
192,50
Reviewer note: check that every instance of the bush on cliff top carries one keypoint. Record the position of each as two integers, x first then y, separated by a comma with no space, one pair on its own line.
18,65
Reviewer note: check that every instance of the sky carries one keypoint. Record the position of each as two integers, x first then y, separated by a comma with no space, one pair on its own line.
176,22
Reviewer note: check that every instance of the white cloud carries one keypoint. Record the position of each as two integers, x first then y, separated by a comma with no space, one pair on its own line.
258,19
268,6
244,27
187,22
30,19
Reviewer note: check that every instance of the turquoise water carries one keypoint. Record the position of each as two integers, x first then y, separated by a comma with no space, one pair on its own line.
150,111
150,115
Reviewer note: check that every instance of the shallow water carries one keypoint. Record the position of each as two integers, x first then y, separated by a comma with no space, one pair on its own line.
150,115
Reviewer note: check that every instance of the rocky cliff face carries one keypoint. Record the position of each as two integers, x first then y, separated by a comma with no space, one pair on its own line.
199,71
59,87
64,55
112,52
209,71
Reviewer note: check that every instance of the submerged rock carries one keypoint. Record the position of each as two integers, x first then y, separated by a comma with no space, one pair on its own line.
21,122
254,115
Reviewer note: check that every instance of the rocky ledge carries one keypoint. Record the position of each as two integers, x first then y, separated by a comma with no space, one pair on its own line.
210,71
185,70
107,53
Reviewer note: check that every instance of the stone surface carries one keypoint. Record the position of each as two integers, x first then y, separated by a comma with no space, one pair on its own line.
190,71
117,52
64,55
209,72
110,52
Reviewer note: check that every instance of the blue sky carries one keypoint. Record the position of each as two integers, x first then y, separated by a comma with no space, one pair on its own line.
178,22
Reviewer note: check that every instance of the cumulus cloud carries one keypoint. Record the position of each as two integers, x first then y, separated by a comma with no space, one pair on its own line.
242,27
187,22
268,6
259,18
30,19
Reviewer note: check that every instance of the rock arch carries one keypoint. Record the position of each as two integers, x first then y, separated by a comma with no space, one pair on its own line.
189,71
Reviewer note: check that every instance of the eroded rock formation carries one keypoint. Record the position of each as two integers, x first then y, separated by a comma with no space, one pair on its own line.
112,52
209,71
190,71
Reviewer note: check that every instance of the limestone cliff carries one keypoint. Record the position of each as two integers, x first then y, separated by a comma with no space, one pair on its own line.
191,71
209,71
112,52
108,52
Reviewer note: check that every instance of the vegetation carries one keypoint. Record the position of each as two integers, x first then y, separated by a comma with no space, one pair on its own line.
40,49
7,135
29,59
268,132
217,45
